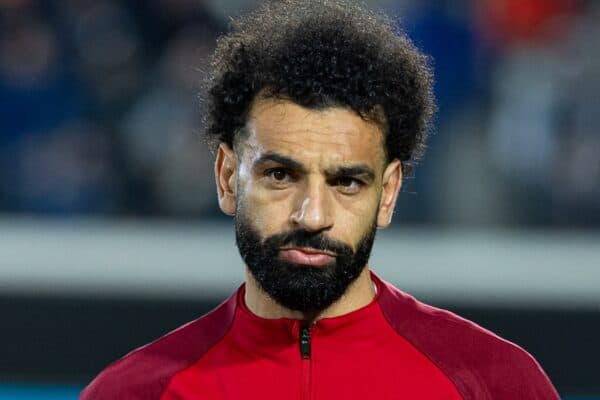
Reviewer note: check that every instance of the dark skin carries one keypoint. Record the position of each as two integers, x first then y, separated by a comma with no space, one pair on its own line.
318,170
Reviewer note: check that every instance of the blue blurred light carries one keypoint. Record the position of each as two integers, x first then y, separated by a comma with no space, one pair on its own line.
38,392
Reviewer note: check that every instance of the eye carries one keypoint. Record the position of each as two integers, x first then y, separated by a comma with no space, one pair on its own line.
348,184
278,175
346,181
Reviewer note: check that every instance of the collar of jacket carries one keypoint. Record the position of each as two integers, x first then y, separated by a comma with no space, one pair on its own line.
258,332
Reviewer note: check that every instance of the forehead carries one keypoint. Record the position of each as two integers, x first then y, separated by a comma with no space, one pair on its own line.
331,135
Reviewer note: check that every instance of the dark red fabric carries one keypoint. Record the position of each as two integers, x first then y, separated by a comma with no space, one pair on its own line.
393,348
481,365
145,373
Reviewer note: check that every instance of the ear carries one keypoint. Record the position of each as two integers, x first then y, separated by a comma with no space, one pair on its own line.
392,182
225,177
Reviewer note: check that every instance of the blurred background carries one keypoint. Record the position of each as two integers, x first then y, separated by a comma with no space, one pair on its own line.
110,234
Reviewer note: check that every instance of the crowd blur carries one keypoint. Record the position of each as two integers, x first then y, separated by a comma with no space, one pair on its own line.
101,109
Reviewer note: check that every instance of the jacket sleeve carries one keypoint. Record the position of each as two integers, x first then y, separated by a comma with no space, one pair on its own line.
520,377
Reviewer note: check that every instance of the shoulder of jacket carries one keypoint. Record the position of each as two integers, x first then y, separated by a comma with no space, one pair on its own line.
481,364
145,372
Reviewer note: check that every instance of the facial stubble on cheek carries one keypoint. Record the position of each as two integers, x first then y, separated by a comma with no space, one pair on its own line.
295,286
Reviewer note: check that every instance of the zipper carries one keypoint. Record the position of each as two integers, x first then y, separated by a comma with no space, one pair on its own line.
306,363
305,343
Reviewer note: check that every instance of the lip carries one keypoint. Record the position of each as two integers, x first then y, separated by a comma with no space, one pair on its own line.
307,256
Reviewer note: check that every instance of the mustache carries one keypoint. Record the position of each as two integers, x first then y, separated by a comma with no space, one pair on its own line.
303,238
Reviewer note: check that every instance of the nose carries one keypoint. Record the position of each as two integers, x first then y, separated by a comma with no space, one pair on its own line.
313,210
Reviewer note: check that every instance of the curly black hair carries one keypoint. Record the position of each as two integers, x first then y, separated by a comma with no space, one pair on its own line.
318,54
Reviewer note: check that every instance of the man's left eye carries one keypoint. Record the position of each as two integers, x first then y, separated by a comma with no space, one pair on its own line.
348,184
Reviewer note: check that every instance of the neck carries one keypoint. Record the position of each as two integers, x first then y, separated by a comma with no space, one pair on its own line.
360,293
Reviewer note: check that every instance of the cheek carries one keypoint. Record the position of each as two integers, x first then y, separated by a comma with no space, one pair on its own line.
269,211
355,217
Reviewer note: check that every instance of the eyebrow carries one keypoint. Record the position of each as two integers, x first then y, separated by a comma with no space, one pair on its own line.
361,170
279,159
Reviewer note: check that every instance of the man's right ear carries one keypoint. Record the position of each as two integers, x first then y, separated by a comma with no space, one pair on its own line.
225,177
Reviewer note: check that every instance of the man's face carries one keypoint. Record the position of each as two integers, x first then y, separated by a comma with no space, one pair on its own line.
308,189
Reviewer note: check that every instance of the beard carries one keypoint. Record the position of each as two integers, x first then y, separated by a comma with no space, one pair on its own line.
296,286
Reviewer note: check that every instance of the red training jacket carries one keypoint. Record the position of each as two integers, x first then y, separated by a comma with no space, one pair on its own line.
393,348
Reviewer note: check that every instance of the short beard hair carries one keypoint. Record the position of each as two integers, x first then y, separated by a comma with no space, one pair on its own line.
295,286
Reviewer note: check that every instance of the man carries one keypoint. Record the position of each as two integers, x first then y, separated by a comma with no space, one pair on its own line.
318,109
